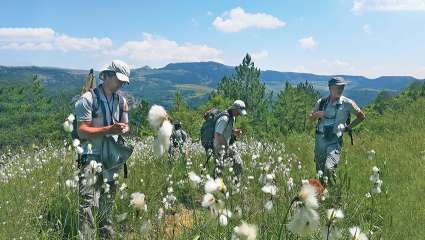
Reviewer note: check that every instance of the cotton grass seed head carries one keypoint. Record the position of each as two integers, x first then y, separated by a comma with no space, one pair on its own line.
245,230
308,196
137,201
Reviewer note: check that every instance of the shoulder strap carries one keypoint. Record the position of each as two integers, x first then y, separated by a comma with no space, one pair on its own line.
323,103
96,102
121,106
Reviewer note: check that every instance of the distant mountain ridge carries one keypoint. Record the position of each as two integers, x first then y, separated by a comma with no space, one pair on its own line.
196,79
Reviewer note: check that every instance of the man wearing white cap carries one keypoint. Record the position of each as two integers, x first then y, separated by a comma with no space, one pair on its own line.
101,114
223,136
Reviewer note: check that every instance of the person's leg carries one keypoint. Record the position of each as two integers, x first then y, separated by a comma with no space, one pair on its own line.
332,159
106,202
218,163
88,200
237,164
320,155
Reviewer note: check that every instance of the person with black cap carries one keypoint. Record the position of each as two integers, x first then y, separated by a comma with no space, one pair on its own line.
332,113
102,117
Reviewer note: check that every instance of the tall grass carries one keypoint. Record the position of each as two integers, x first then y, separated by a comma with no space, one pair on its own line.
36,204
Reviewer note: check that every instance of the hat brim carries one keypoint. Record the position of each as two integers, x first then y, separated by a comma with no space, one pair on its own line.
122,77
243,112
341,84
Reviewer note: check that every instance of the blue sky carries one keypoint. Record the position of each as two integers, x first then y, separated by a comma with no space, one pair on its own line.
362,37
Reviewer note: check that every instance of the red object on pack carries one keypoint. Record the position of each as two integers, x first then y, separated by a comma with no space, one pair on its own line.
317,186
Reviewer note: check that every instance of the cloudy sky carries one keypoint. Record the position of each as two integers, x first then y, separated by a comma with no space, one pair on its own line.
362,37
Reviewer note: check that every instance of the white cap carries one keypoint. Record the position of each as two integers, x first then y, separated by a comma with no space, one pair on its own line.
239,105
121,69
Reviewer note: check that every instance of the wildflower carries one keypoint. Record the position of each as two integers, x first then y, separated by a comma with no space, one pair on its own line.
270,189
115,176
123,187
268,205
319,174
71,118
222,219
308,196
368,195
270,176
160,213
67,126
106,187
208,200
194,178
334,214
215,185
76,143
290,183
304,222
79,150
71,183
331,233
138,201
357,234
371,154
245,230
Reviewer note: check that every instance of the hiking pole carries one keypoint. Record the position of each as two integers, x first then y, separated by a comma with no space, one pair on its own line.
350,133
90,82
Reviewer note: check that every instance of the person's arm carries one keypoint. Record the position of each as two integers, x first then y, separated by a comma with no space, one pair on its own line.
124,118
87,131
219,130
83,112
360,116
219,138
315,113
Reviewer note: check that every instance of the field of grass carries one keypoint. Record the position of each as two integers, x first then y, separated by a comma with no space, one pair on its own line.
35,202
198,90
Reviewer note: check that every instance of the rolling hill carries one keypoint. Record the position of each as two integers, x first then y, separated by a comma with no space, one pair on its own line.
195,80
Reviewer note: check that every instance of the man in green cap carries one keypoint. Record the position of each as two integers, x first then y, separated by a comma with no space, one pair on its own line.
102,116
332,113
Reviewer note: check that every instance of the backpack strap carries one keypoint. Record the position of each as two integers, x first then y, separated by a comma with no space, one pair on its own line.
323,102
121,102
96,102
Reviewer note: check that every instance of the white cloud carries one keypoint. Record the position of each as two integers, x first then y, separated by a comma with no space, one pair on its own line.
300,69
259,55
237,19
26,34
366,29
307,43
360,6
43,39
158,50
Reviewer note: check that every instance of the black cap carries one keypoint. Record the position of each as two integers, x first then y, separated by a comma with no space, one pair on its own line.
338,81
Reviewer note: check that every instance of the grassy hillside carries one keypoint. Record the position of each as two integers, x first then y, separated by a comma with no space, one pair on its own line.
159,85
35,202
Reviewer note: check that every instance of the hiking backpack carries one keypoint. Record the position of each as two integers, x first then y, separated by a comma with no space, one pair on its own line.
208,127
323,103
